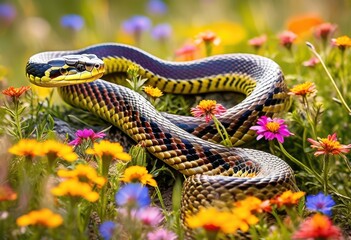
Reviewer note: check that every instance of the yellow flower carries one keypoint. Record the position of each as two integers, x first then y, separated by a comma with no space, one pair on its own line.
303,89
153,91
138,174
342,42
44,217
288,198
74,188
244,218
213,220
106,148
59,150
83,173
254,204
27,148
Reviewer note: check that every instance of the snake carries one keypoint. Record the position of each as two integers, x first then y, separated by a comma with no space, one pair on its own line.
216,175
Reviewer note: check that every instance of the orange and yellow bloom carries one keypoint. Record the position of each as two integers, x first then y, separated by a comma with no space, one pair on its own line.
303,89
44,217
342,42
83,173
54,149
288,198
15,92
7,193
329,145
208,109
27,148
106,148
153,91
138,174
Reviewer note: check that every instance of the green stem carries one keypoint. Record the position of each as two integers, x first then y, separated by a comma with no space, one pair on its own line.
17,118
325,173
310,45
222,132
159,195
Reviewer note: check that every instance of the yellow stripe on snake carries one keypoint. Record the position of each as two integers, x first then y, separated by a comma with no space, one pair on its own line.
216,175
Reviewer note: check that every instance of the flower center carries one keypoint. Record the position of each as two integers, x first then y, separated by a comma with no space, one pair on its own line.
273,126
330,145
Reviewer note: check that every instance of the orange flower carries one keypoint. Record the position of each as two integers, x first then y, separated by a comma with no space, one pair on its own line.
288,198
303,89
44,217
7,194
329,145
254,204
303,23
27,148
318,227
342,42
15,92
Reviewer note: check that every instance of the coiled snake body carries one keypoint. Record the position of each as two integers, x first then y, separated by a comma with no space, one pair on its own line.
217,175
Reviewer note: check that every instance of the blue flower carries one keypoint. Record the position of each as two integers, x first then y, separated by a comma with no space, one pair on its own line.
133,194
156,7
72,21
7,13
162,31
107,230
136,25
321,203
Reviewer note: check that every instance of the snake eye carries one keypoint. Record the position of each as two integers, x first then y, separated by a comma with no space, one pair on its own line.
63,71
80,67
89,66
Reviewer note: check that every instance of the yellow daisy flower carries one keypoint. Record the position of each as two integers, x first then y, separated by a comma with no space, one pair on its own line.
138,174
83,173
106,148
44,217
57,149
74,188
153,91
27,148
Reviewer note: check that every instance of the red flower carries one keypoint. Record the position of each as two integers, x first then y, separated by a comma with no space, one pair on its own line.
318,227
329,145
15,92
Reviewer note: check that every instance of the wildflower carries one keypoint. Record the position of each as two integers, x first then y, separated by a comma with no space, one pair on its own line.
257,42
153,91
244,217
15,92
208,109
287,38
329,145
271,129
212,220
44,217
303,89
138,174
302,24
54,149
72,21
324,30
7,13
187,52
136,25
107,230
86,134
7,193
317,227
106,148
288,198
320,202
342,42
27,148
161,234
150,216
75,188
162,32
207,37
156,7
133,194
83,173
313,61
254,204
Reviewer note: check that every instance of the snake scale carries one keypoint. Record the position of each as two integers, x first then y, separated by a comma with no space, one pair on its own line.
216,175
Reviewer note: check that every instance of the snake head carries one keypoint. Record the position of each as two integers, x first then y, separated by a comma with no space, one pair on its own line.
68,70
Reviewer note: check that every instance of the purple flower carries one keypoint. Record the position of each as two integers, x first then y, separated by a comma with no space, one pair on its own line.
162,32
7,13
72,21
321,203
86,134
107,230
271,129
136,25
150,216
156,7
161,234
133,194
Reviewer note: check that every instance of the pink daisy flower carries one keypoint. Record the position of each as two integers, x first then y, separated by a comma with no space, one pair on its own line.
208,109
84,135
161,234
271,129
150,216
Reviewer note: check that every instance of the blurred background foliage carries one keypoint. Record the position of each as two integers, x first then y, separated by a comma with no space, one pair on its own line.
35,25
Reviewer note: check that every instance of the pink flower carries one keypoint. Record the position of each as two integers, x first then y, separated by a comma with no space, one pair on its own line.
317,227
324,30
161,234
257,42
208,109
187,52
311,62
329,145
271,129
287,38
150,216
86,134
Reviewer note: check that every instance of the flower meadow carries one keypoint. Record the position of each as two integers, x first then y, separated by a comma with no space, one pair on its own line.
63,175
